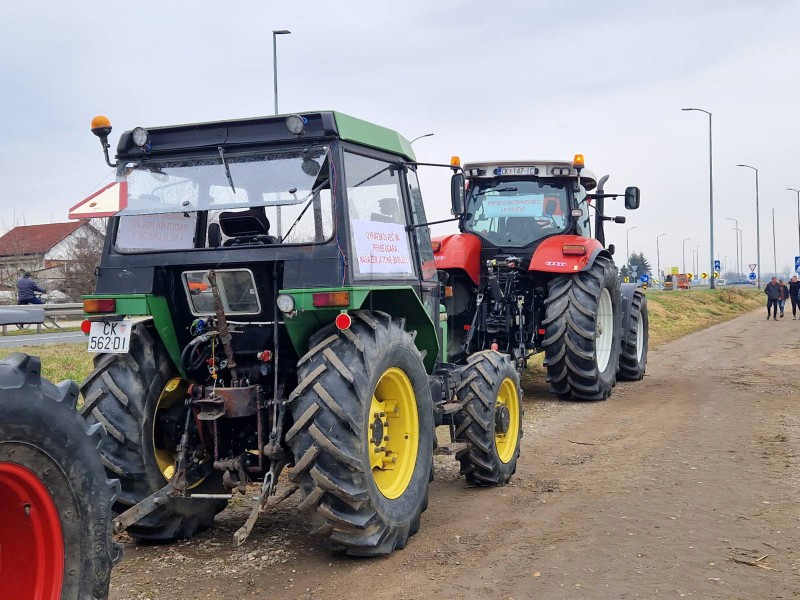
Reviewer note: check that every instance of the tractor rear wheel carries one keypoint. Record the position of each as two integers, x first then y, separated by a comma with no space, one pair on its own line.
583,330
55,500
490,419
363,434
633,358
138,398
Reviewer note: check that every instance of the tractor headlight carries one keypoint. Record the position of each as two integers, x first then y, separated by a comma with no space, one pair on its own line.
295,124
140,137
285,303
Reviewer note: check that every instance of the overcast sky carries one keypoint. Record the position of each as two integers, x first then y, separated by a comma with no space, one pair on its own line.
507,80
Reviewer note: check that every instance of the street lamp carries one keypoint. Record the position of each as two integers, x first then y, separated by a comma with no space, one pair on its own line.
628,243
275,34
710,192
738,266
798,216
683,253
758,230
419,137
774,250
658,260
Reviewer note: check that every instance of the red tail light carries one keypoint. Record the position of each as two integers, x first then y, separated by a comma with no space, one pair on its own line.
323,299
436,246
99,305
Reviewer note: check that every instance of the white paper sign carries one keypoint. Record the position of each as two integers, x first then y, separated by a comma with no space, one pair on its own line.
381,247
513,206
168,231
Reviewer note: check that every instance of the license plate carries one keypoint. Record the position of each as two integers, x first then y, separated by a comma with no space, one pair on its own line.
112,337
529,171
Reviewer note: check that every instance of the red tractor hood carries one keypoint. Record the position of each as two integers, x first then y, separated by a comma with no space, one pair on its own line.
549,256
459,251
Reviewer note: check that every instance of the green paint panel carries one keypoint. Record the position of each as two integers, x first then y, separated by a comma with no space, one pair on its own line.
375,136
398,301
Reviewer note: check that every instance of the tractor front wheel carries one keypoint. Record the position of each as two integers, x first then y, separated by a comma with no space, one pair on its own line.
633,358
490,419
363,435
583,330
55,500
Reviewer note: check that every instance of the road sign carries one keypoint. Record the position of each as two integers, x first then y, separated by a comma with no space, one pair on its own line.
625,280
644,278
753,269
704,275
797,264
689,276
634,268
675,270
716,274
717,265
752,276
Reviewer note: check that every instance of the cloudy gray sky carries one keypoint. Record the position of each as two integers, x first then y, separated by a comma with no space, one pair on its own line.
505,80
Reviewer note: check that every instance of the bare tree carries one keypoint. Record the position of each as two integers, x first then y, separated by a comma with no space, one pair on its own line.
80,268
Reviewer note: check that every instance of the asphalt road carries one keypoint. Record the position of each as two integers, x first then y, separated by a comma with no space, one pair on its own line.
43,339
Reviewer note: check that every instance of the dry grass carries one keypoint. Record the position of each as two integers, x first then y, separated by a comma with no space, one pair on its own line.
672,315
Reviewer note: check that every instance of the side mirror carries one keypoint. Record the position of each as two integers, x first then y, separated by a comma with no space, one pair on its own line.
457,197
632,198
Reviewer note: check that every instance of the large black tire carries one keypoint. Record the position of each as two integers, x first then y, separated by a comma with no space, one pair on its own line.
571,333
122,394
330,438
489,421
633,358
55,499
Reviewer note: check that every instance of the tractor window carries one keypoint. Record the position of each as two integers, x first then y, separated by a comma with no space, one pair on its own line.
422,235
516,213
377,217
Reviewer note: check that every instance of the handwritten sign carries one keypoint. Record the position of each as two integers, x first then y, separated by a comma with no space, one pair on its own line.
168,231
381,247
513,206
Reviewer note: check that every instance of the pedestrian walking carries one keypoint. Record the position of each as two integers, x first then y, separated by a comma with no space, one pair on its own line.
784,296
27,288
794,295
773,292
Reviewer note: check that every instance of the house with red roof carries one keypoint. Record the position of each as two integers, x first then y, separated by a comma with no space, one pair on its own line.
46,250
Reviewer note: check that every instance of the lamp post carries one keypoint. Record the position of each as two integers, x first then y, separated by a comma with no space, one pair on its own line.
275,34
697,261
683,253
419,137
774,252
736,229
628,244
710,192
758,230
798,216
658,260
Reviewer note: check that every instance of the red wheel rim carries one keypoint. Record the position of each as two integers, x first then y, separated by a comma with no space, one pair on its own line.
31,541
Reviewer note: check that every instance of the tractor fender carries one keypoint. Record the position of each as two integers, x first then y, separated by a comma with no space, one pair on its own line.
459,251
628,291
550,258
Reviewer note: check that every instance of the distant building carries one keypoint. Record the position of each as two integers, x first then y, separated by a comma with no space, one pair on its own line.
48,251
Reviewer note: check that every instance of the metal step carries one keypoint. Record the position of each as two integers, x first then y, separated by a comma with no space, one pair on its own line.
451,448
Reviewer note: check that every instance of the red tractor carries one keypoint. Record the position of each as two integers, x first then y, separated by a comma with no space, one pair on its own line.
527,274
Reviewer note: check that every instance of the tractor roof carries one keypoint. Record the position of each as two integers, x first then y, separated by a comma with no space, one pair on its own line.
263,130
529,168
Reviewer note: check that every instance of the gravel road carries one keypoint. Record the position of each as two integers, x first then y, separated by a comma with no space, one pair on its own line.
686,484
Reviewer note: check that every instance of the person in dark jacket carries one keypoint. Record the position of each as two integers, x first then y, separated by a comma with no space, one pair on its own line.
784,296
773,292
26,290
794,295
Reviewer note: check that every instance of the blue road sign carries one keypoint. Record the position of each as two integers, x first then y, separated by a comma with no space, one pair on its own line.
797,264
717,265
644,278
752,276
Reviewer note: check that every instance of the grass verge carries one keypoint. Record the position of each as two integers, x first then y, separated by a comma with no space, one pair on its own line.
672,315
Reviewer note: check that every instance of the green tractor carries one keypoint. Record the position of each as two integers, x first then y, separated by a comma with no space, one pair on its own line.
267,299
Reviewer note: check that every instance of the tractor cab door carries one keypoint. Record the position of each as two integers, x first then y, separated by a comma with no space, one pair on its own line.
421,236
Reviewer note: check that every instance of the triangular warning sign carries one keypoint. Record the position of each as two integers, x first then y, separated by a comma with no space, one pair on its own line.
753,267
105,202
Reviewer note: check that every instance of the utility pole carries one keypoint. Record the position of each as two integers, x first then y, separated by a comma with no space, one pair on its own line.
275,34
683,252
758,230
774,252
658,261
736,231
628,244
798,217
710,192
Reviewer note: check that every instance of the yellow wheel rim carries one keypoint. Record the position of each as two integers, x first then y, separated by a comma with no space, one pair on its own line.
174,391
393,433
507,414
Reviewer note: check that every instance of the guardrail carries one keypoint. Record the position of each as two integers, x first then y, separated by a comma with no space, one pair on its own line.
41,315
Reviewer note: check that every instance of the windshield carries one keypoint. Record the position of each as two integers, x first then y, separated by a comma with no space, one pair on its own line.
248,199
516,212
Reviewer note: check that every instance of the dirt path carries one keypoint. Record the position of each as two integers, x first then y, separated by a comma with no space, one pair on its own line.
651,494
